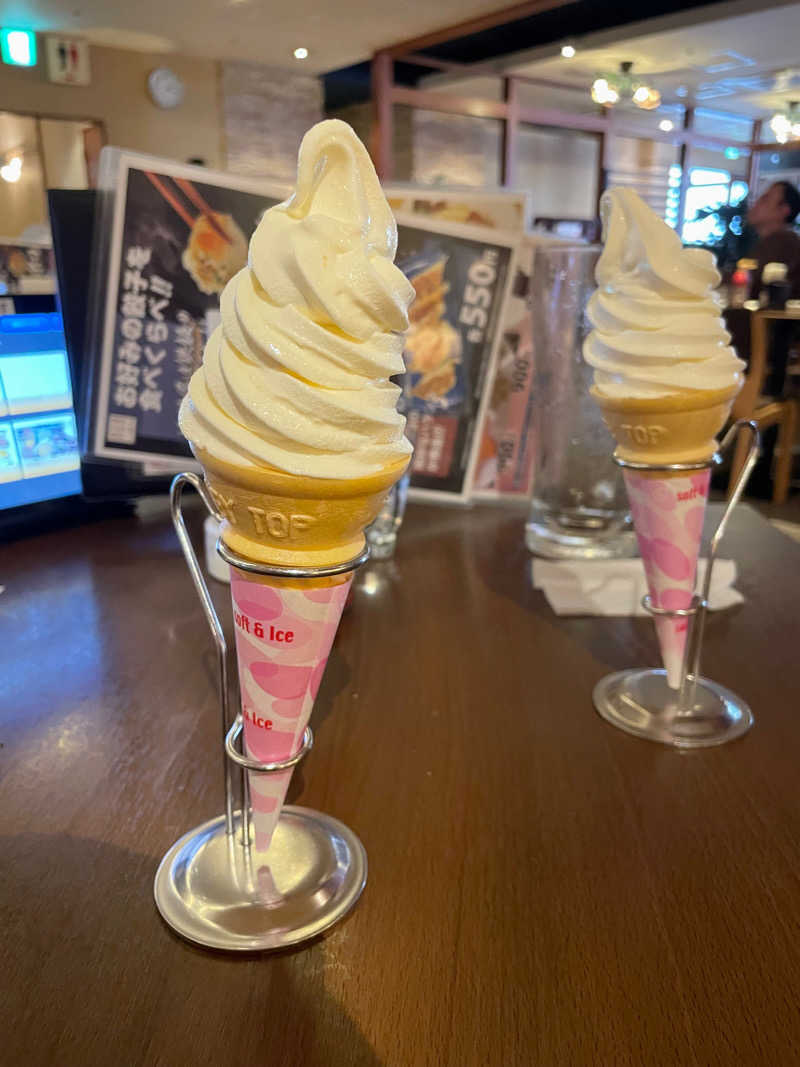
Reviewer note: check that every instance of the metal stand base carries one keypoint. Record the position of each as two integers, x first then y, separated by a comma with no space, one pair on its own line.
212,887
212,891
641,703
699,713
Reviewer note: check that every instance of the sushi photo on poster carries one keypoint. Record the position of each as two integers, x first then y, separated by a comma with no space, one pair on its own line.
461,276
173,236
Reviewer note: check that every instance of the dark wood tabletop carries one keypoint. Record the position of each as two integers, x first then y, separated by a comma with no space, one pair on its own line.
543,889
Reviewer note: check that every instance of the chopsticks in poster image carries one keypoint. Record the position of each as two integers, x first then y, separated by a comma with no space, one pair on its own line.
189,191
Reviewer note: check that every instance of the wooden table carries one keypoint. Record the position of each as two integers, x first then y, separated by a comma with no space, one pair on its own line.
543,889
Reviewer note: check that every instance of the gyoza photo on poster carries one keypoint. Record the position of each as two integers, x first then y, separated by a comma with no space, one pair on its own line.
460,275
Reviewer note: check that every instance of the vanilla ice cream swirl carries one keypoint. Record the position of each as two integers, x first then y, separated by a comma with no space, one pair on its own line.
296,377
657,325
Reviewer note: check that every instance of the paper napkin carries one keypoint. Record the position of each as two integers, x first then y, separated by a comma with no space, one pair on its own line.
616,587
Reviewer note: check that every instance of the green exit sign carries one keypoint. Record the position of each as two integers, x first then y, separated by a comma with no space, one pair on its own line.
18,47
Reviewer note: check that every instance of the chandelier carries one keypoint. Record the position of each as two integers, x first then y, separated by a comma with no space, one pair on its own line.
608,89
786,124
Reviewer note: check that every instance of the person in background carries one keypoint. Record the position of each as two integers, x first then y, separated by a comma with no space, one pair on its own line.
772,217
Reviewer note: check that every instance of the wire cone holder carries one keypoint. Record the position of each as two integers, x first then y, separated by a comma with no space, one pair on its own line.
699,713
211,886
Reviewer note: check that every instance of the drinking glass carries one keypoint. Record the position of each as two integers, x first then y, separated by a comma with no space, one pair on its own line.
579,508
382,533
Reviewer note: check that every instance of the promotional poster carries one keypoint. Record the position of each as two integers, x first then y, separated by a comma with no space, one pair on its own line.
178,235
504,468
461,276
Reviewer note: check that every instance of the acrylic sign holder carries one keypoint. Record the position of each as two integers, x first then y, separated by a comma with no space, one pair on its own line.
700,713
211,886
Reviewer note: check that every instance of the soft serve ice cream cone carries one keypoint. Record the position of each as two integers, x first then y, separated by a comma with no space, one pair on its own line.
665,378
292,414
294,420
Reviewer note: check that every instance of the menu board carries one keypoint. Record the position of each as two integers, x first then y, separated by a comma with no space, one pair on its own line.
39,457
461,276
169,238
47,444
10,467
504,459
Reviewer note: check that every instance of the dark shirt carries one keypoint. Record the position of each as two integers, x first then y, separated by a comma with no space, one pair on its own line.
783,246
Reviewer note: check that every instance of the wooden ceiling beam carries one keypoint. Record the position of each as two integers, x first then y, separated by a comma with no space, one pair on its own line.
474,25
776,146
435,64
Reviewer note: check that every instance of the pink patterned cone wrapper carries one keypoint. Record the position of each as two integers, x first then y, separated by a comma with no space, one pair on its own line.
284,632
668,513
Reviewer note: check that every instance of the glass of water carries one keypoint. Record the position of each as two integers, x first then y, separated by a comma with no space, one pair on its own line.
382,533
579,508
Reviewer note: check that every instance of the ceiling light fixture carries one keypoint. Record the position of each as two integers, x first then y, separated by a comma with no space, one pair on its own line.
607,89
568,51
786,124
604,93
301,53
666,125
12,170
647,98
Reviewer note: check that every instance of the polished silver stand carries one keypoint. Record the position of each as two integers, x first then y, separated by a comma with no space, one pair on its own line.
211,886
700,713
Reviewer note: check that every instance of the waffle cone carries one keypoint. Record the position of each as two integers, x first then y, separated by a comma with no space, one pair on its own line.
680,428
668,506
269,516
